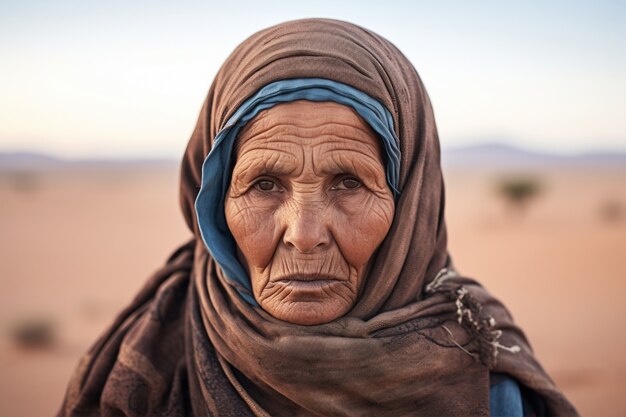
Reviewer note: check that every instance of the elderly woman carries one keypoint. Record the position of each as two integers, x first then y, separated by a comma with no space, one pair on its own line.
318,281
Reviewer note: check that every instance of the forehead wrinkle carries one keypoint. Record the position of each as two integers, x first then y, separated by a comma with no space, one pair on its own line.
291,123
261,159
327,132
279,147
294,127
252,141
357,161
303,119
332,143
265,139
364,148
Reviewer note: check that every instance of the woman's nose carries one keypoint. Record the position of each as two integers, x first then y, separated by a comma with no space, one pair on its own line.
306,230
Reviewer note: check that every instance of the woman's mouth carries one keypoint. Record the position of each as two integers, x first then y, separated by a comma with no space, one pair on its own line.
309,287
308,278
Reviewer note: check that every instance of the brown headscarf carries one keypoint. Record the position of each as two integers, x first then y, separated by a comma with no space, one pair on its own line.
421,340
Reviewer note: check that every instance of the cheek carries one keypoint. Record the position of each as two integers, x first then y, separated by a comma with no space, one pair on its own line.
253,228
361,227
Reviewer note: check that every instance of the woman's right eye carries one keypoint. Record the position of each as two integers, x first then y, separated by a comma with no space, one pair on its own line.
266,185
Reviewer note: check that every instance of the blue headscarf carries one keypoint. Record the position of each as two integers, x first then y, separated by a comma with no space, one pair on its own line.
218,165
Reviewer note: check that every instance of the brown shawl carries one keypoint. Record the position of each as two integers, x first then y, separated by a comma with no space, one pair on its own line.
421,340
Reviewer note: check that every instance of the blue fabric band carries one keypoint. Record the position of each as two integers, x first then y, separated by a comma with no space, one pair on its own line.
505,399
217,167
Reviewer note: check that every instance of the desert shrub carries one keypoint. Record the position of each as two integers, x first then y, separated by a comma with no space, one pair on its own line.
34,332
612,210
22,181
518,191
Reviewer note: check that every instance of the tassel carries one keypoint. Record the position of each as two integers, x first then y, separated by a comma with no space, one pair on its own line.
469,314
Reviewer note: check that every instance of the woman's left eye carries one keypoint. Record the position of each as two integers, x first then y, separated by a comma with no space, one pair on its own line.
347,183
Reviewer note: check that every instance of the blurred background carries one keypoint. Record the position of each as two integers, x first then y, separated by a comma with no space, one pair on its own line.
97,101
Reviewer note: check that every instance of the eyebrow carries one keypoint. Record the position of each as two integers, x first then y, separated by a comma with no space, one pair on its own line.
362,165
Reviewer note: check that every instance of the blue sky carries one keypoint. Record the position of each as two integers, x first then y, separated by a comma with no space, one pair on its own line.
127,79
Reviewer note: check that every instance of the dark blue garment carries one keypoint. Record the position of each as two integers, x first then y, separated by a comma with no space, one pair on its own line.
217,167
505,399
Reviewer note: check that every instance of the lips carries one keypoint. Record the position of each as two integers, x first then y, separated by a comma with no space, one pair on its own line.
309,287
309,278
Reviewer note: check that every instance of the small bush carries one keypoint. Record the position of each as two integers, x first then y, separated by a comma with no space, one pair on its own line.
518,191
612,211
34,333
23,181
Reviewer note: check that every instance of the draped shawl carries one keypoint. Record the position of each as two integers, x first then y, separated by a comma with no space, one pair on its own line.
420,340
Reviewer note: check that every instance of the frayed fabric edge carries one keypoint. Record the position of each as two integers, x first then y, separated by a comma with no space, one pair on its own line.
470,315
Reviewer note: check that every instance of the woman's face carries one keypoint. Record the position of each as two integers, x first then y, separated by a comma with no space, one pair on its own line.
308,205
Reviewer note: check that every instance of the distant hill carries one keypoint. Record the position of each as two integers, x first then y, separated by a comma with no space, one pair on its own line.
27,160
504,156
475,156
11,161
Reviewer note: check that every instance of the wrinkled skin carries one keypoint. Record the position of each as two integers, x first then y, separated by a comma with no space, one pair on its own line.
308,205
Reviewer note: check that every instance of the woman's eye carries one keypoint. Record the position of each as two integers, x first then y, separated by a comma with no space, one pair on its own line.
347,183
266,185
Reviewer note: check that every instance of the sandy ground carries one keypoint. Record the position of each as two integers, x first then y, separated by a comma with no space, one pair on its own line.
75,247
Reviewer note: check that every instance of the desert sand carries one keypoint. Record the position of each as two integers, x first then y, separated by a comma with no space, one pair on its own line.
77,244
